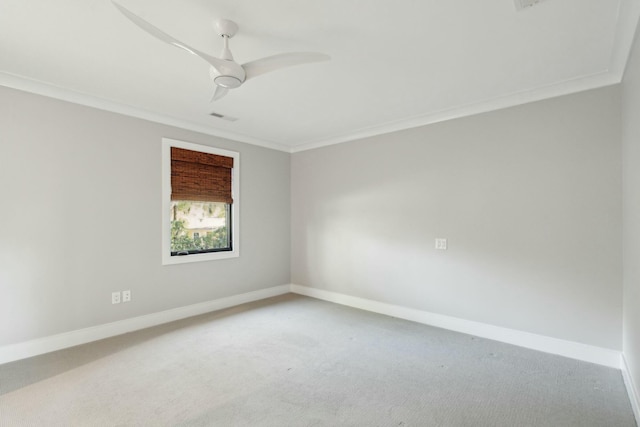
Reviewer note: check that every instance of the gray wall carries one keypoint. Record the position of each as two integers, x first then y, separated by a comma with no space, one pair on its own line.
529,198
631,211
80,217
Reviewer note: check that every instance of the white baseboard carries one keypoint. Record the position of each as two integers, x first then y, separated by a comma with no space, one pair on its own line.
23,350
632,389
574,350
593,354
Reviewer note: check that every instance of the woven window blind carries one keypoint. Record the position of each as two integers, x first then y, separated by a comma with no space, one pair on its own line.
198,176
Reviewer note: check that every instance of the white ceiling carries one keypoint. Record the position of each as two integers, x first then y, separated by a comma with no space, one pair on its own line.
395,64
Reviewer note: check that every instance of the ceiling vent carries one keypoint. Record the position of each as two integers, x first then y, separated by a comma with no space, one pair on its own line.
223,117
524,4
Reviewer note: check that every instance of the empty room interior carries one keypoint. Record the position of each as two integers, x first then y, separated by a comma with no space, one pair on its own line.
281,213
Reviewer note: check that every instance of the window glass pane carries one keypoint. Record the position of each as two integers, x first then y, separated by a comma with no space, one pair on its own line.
199,227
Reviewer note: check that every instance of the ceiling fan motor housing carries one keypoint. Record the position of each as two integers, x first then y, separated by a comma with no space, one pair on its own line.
225,27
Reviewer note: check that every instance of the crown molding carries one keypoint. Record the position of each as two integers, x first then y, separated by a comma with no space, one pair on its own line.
46,89
628,16
594,81
567,87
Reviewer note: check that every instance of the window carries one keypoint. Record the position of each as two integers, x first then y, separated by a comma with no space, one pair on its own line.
200,202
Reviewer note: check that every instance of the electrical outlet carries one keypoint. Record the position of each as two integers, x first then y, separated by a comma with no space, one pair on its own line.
115,297
126,296
441,244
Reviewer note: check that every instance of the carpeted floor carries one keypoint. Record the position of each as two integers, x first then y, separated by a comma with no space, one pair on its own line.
297,361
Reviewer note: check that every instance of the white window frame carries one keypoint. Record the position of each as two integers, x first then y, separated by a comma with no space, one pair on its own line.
167,259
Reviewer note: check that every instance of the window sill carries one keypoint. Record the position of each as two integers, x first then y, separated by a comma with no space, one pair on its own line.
210,256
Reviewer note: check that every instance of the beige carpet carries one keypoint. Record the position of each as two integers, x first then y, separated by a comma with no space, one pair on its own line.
296,361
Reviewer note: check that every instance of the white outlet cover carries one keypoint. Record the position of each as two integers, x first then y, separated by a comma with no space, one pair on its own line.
115,297
126,296
441,244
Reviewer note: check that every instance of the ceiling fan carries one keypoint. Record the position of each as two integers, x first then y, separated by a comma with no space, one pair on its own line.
225,72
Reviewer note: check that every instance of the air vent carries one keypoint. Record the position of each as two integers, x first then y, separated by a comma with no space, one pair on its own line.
524,4
223,117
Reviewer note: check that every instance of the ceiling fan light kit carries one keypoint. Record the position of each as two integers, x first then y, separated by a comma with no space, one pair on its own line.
227,82
225,72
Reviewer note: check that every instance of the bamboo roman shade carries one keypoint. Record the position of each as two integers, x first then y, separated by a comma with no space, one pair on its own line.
198,176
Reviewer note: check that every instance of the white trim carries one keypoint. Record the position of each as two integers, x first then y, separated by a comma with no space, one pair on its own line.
605,78
47,89
23,350
574,350
628,14
167,259
519,98
632,389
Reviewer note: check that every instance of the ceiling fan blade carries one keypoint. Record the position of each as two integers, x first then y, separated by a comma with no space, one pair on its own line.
219,93
159,34
283,60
